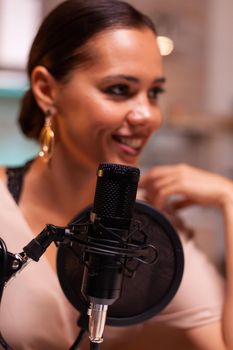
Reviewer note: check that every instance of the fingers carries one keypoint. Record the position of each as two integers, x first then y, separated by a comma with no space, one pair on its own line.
158,184
156,173
196,186
182,203
161,196
167,186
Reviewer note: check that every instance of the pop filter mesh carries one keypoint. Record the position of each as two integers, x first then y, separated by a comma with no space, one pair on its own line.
152,287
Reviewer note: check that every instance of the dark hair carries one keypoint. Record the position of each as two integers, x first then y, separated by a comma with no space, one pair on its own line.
61,42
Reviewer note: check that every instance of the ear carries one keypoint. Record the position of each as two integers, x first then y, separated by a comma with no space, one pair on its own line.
44,87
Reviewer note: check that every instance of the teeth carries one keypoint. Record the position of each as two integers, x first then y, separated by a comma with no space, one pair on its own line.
132,142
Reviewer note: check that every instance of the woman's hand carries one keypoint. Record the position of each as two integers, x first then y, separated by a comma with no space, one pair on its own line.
183,185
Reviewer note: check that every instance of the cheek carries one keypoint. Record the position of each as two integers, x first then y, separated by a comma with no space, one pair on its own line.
103,115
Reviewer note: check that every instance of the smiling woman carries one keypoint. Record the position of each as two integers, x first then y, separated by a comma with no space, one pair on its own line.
95,75
113,103
86,105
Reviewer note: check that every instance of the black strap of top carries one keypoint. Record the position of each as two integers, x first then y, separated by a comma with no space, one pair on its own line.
4,343
15,177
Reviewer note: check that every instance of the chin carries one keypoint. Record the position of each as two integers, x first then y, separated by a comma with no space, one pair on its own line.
132,161
119,158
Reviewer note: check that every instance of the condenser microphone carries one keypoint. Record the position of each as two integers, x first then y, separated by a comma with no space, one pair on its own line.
111,218
116,237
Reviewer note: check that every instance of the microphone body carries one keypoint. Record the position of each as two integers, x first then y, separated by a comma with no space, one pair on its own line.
111,218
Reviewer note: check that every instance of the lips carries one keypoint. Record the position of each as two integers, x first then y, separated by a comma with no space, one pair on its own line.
134,142
130,144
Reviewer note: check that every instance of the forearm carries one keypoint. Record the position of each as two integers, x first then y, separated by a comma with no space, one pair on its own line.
196,186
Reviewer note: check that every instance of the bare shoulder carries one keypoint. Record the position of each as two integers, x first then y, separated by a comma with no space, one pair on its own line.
3,177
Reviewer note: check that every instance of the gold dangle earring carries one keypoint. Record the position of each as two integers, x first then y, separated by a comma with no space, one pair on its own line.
47,138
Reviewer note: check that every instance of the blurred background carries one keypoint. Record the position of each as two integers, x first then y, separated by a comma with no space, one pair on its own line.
197,108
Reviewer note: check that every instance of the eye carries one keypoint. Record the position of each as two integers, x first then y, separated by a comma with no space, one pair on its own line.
154,92
120,90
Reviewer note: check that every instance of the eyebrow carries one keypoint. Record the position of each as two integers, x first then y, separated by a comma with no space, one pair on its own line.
159,80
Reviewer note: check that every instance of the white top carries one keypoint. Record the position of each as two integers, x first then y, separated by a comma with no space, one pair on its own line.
36,315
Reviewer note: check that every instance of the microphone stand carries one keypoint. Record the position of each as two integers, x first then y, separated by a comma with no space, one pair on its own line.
12,264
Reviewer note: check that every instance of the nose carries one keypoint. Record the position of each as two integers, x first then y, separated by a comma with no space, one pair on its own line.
139,114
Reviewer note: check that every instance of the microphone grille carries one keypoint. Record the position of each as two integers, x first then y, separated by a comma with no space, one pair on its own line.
116,190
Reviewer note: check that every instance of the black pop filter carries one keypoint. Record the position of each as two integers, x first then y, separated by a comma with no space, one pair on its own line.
153,285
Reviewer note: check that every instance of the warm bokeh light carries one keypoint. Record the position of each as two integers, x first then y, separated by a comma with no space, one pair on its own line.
166,45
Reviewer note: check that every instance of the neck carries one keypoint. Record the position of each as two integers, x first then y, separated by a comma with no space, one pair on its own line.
64,186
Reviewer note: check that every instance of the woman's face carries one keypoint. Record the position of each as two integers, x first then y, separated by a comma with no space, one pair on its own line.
108,109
